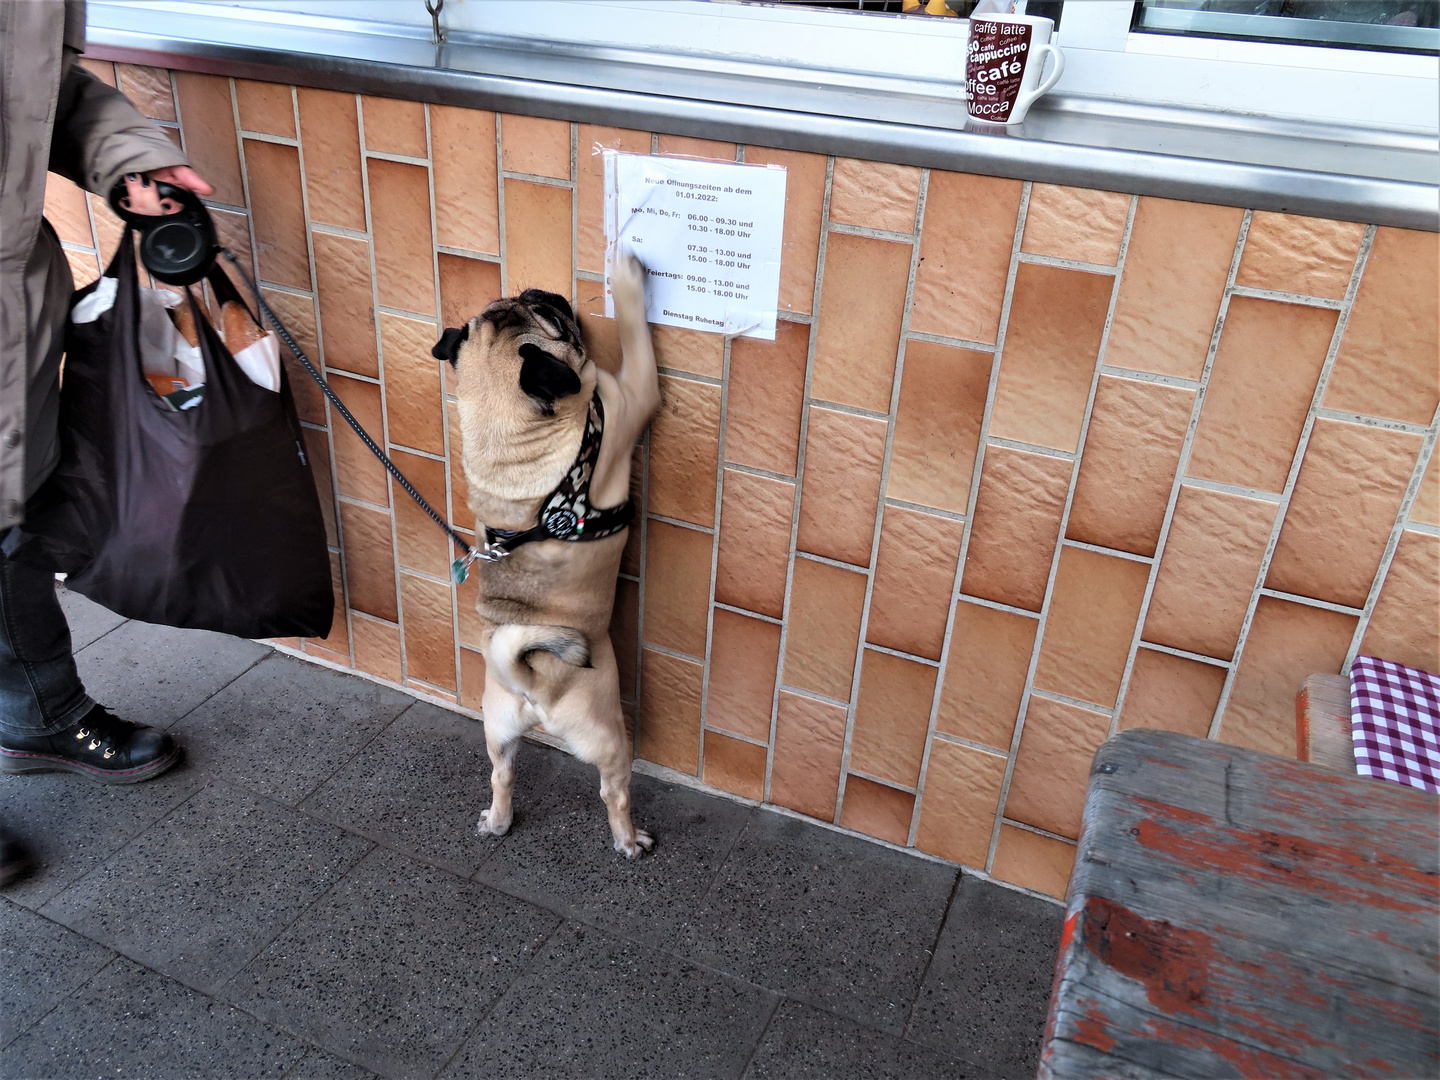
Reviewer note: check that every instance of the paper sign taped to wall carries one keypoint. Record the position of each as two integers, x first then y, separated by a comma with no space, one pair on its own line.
709,234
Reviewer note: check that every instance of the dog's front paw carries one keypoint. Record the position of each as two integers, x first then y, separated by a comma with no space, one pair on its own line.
642,843
490,824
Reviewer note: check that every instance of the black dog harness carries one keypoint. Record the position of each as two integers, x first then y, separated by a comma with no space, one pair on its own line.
567,513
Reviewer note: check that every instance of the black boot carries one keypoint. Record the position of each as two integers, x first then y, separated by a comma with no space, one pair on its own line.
101,746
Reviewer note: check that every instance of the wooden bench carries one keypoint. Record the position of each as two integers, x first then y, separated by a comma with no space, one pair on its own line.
1322,723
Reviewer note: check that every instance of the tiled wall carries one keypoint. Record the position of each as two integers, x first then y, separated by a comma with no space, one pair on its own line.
1024,464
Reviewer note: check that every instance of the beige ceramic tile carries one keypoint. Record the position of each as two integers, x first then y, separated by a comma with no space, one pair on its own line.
965,257
393,126
233,230
414,401
1132,449
377,648
1171,693
744,654
985,674
914,577
459,490
1207,571
685,146
103,70
210,133
336,645
467,197
330,134
1047,789
1033,861
148,89
1092,621
767,389
1260,389
429,639
369,562
1016,527
472,679
625,633
1426,507
65,210
537,238
266,106
601,335
278,212
591,142
957,811
877,810
823,628
1287,643
1165,314
1311,256
298,313
1405,626
535,145
347,305
677,587
684,350
809,742
685,450
470,626
1052,341
874,194
670,711
892,715
420,545
1334,556
804,207
733,765
361,476
467,287
1075,223
861,310
841,489
754,542
937,425
1386,363
84,267
404,266
108,228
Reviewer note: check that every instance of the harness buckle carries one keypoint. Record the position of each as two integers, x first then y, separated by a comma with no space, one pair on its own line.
460,568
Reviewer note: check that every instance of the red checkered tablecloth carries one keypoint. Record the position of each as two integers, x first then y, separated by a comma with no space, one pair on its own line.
1395,722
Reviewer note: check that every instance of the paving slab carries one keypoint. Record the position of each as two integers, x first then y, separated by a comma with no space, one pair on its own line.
201,892
988,987
41,964
156,674
88,620
285,726
72,824
593,1005
560,852
318,1065
394,966
823,917
130,1022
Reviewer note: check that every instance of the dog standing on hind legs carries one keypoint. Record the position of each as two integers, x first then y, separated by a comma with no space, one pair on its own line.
547,439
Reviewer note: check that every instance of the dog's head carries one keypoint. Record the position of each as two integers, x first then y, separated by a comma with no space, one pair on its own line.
521,349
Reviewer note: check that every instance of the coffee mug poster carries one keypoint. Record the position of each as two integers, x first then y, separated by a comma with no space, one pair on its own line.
1003,66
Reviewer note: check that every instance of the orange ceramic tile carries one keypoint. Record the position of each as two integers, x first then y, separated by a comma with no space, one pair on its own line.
459,490
393,126
108,228
861,309
317,445
1171,693
278,213
600,335
744,654
841,489
467,198
1132,449
591,142
420,543
625,633
537,238
630,557
233,230
1405,626
369,562
1033,861
429,637
1075,223
472,679
103,70
1311,256
414,403
685,450
937,425
965,257
467,286
733,765
874,194
877,810
148,89
682,349
677,587
1052,341
1260,389
685,146
336,645
266,106
1016,527
1165,314
1334,556
670,711
84,267
823,628
360,475
298,313
471,629
914,577
892,715
65,210
535,145
1093,611
809,742
767,389
377,648
1386,363
985,674
1287,643
804,207
330,133
1426,507
404,258
347,303
957,810
1207,571
754,542
210,133
1047,789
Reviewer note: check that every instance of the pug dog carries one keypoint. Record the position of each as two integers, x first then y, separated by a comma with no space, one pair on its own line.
547,439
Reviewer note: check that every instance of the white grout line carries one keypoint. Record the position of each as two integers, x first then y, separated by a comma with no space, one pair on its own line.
870,646
682,523
535,178
380,155
1231,489
995,605
714,552
837,563
1374,421
1032,448
339,230
1185,655
1310,601
1150,377
852,410
1287,297
813,695
734,466
467,253
690,376
1039,832
1114,553
945,736
265,136
920,508
748,614
1069,264
874,234
953,342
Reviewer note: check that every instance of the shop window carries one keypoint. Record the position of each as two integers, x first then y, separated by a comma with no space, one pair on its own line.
1398,25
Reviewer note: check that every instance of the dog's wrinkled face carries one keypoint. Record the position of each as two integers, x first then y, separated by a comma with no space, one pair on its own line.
531,341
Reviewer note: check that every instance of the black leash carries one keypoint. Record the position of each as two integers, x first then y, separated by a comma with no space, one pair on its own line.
460,568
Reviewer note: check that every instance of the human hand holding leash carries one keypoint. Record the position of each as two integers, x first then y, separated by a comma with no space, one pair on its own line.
142,198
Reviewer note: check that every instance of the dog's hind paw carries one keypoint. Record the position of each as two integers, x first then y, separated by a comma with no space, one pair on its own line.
490,825
643,842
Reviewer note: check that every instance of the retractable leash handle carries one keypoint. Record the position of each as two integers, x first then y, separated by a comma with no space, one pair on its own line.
460,568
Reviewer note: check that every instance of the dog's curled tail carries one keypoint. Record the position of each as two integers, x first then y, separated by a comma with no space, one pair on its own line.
512,643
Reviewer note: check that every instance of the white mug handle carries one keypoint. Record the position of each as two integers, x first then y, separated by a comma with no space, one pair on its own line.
1022,105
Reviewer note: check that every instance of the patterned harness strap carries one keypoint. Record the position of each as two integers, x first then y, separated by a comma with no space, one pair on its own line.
567,513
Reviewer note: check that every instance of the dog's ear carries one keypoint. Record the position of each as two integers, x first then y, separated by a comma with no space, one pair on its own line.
448,347
542,298
545,378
